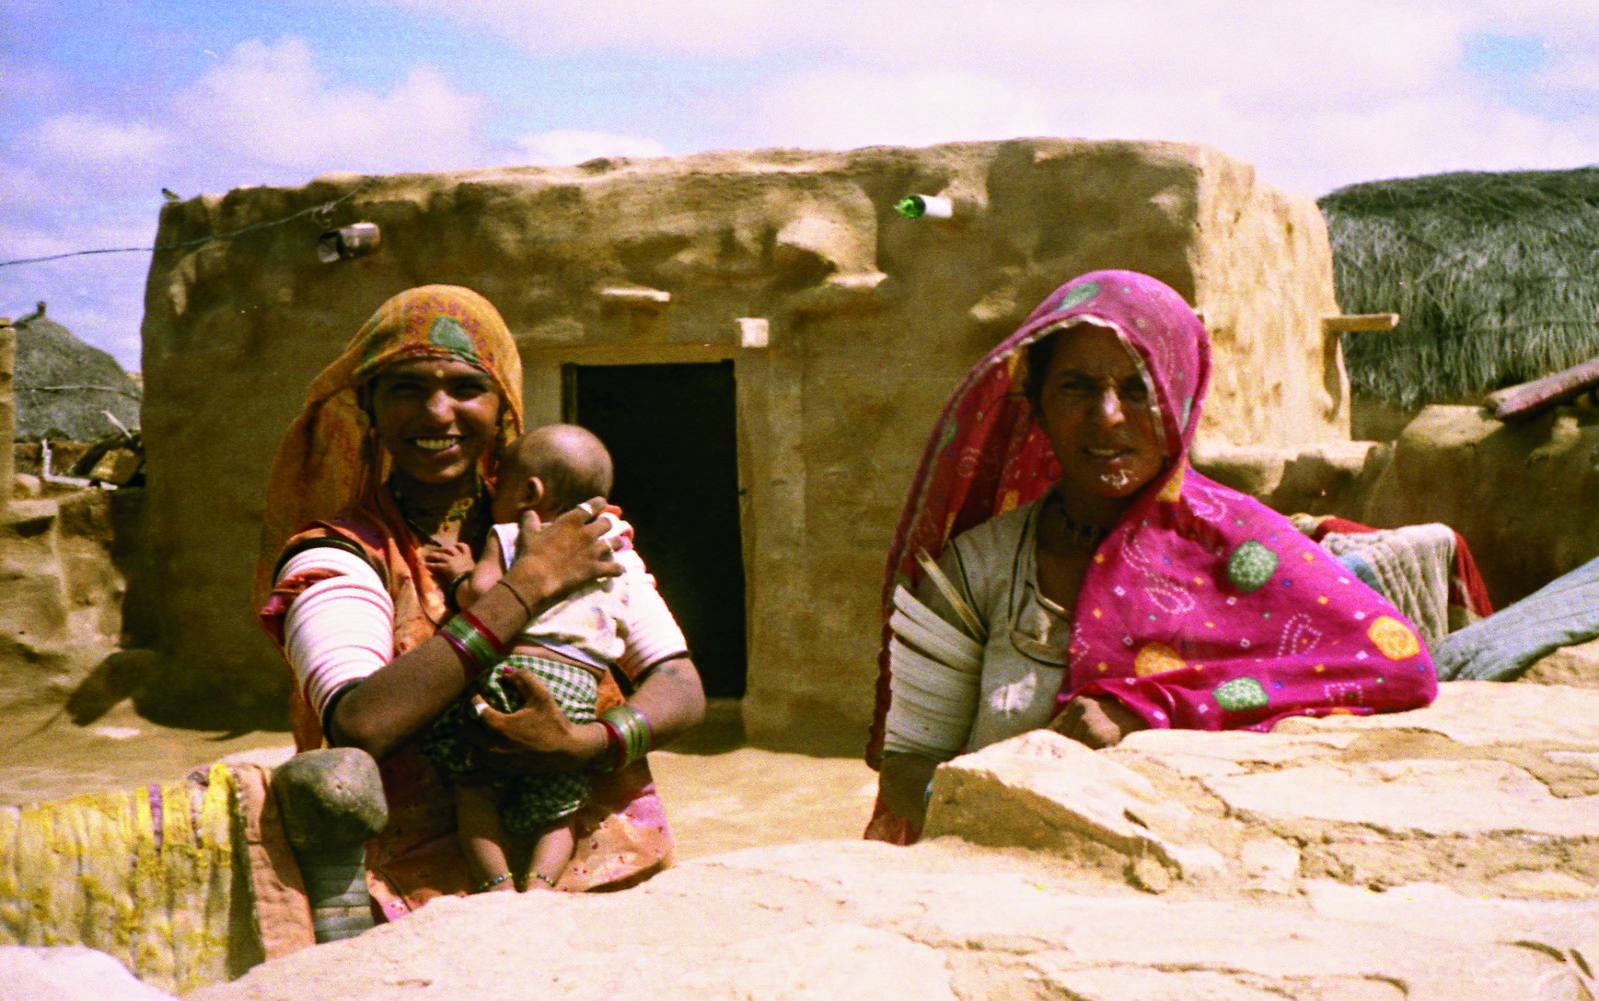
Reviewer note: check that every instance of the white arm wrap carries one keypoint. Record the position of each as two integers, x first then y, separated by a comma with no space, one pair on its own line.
934,670
340,629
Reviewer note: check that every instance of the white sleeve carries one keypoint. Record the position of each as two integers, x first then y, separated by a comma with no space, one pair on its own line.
508,533
652,634
340,629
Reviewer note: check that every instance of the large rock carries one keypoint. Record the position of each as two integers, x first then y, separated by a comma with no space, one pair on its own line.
1570,665
846,327
1440,854
1494,789
941,921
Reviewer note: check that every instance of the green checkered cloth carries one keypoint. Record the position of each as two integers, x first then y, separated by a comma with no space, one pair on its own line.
528,803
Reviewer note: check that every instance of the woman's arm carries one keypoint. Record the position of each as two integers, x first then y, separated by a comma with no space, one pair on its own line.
667,691
400,698
902,785
539,738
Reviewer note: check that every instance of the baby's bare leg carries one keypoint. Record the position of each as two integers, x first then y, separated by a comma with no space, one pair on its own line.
477,816
550,856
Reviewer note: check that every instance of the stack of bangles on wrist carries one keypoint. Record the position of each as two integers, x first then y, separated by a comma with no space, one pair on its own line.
476,645
627,738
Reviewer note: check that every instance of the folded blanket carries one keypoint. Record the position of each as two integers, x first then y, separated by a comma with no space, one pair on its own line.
1506,643
1409,566
1468,596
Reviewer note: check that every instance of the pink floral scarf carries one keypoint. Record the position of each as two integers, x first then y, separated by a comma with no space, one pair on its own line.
1202,609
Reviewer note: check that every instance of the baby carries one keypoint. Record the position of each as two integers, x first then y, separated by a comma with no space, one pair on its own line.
570,646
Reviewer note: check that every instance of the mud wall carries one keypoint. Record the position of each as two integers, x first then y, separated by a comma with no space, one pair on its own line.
847,326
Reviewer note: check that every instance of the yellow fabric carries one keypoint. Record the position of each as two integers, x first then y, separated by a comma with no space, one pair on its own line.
93,870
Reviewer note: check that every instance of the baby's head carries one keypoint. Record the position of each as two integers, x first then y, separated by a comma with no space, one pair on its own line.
550,470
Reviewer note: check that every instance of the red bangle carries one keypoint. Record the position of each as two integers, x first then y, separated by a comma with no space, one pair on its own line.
499,645
611,757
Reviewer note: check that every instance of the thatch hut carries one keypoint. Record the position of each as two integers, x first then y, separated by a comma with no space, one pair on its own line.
1495,277
65,388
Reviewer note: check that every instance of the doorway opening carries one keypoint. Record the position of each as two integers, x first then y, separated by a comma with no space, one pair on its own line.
672,433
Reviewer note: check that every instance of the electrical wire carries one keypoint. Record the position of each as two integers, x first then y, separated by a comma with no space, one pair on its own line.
314,210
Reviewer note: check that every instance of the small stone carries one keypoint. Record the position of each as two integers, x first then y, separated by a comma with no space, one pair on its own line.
1148,875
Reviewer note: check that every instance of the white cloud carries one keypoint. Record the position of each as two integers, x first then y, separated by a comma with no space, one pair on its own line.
829,108
1315,94
568,146
270,104
86,139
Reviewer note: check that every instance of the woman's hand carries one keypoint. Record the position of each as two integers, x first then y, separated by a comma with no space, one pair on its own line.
1096,721
537,738
565,553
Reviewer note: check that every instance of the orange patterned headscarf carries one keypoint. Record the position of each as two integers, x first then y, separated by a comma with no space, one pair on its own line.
329,458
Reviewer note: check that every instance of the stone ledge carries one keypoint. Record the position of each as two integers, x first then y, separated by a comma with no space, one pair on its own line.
1494,789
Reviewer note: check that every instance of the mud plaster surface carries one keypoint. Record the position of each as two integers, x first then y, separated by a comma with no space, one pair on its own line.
718,797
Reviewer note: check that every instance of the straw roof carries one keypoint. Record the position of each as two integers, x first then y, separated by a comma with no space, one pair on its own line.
64,387
1495,277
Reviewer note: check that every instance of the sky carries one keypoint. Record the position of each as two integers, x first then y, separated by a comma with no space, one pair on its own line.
103,103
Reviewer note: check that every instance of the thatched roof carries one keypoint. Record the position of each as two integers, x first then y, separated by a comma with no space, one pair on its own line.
64,386
1495,277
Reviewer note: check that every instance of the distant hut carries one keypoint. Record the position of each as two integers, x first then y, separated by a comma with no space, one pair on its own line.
64,387
1495,277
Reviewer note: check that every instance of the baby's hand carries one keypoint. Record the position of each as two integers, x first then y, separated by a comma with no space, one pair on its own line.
448,562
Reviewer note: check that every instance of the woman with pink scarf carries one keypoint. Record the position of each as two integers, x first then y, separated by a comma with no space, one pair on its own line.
1060,564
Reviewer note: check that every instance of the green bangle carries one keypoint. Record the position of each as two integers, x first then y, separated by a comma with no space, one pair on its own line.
466,633
632,729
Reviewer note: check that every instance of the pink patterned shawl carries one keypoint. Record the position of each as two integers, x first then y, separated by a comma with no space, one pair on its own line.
1203,609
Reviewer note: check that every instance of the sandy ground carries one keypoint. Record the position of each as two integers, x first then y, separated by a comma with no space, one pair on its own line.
720,794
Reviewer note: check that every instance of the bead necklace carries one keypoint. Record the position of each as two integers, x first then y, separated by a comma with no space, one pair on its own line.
418,516
1077,536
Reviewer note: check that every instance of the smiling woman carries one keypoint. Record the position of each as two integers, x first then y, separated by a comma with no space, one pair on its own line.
435,418
396,451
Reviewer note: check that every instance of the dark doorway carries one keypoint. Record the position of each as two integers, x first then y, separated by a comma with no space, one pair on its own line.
671,430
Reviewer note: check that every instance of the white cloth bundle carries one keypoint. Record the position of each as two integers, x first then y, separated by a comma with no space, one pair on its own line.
1410,566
